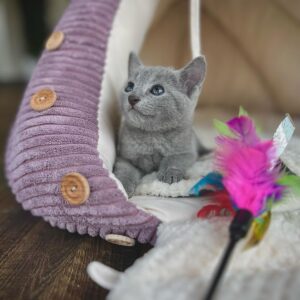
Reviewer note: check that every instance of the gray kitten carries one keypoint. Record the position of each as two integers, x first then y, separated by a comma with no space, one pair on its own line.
156,131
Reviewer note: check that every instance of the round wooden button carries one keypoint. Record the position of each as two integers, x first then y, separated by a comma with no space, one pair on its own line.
75,188
55,40
43,99
120,240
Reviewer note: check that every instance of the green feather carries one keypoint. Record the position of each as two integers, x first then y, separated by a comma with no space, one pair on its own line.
243,112
223,128
291,181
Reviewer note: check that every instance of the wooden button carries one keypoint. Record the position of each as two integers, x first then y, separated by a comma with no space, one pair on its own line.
120,240
75,188
43,99
55,40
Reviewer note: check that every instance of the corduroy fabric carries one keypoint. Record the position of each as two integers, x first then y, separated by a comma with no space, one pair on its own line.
45,146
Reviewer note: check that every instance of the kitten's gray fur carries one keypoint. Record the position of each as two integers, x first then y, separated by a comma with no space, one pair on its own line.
156,134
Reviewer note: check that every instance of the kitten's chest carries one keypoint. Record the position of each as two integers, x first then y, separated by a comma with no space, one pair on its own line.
149,144
135,144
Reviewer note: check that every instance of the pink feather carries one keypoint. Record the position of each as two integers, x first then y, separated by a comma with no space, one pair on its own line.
245,129
245,163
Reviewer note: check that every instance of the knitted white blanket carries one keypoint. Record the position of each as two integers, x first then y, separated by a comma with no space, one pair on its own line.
186,253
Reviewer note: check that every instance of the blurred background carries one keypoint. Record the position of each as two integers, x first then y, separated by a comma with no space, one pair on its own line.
24,27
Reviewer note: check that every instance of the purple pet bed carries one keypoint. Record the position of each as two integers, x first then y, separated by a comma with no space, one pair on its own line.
54,162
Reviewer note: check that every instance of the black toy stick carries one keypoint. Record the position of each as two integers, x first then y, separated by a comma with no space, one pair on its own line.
238,229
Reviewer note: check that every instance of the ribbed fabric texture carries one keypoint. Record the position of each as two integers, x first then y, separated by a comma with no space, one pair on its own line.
44,146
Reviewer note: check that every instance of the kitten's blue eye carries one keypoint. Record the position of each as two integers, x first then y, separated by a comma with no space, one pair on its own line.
129,87
157,90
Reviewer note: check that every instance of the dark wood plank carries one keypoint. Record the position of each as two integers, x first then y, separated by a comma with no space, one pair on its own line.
41,262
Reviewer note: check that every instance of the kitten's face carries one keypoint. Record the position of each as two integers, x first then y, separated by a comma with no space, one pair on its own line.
158,98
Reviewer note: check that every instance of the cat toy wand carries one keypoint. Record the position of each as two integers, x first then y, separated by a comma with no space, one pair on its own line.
248,173
238,229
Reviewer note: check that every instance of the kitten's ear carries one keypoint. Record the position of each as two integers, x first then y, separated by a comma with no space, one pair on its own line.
192,75
133,63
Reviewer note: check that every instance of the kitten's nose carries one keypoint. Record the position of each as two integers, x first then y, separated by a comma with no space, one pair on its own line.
133,100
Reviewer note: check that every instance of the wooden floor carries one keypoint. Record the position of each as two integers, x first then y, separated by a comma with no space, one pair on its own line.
36,260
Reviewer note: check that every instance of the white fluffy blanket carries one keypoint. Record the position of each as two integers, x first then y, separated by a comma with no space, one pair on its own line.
182,262
150,185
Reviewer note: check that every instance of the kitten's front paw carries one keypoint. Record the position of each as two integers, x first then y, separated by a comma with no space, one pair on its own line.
171,175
